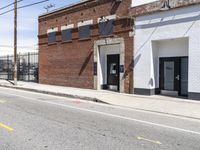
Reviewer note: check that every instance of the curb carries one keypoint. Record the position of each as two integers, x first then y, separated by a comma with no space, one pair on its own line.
57,94
93,100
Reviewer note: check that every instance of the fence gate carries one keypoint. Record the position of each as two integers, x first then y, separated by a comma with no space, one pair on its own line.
27,67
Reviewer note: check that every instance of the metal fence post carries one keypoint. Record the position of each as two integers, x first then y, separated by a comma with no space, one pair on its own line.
28,66
7,67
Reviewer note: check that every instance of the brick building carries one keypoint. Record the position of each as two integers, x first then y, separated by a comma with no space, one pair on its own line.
88,45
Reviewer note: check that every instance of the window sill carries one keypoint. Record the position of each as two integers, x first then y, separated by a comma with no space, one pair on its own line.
84,39
64,42
50,44
106,36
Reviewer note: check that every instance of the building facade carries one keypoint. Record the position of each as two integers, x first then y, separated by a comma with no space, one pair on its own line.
88,45
134,46
167,48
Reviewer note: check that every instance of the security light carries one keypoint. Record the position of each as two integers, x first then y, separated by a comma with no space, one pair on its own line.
103,19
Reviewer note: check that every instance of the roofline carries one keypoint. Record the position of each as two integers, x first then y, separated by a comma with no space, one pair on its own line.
65,7
154,7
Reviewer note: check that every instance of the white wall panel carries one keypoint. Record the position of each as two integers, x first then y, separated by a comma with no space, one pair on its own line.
171,33
141,2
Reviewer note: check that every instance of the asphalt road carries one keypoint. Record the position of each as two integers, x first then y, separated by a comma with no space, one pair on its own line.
32,121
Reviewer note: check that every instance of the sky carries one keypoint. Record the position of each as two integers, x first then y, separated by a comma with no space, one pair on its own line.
27,25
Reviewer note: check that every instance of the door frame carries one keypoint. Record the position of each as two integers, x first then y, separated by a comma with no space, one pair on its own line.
177,69
97,84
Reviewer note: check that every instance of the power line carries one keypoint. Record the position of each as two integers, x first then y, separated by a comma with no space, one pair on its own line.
11,46
4,7
19,49
32,4
23,7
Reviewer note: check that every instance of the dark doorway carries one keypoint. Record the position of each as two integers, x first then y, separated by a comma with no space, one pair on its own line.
174,76
113,72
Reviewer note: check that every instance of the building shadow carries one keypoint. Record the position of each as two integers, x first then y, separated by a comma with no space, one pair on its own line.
115,6
90,54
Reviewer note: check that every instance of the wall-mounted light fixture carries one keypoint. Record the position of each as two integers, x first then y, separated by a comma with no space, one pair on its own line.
166,5
103,19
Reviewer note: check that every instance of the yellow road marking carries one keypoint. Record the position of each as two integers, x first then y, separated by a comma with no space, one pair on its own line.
6,127
148,140
2,101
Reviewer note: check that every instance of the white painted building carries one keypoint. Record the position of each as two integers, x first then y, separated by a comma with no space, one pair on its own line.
141,2
167,50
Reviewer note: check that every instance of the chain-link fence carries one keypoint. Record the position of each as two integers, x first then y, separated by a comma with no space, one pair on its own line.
27,67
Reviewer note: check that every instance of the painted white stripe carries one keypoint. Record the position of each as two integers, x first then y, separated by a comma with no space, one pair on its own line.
84,23
111,17
149,140
2,101
70,26
111,115
112,106
52,30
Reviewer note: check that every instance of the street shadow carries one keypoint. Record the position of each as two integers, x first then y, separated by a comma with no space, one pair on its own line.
136,59
10,82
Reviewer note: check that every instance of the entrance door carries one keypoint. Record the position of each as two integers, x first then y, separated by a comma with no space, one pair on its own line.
169,76
113,72
174,76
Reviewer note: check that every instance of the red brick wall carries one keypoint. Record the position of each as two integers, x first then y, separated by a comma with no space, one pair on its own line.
71,63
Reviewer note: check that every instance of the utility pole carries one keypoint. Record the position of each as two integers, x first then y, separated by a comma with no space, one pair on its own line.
15,42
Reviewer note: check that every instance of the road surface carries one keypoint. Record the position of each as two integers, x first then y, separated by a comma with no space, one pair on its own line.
33,121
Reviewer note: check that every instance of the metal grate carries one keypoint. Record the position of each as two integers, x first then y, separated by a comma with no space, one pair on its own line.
27,67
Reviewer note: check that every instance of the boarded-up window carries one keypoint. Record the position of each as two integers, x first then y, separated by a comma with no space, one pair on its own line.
51,37
67,35
106,28
84,31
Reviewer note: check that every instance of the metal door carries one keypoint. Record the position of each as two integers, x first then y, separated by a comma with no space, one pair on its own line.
170,74
113,72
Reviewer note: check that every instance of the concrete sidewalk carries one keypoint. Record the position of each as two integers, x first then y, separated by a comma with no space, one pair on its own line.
160,104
